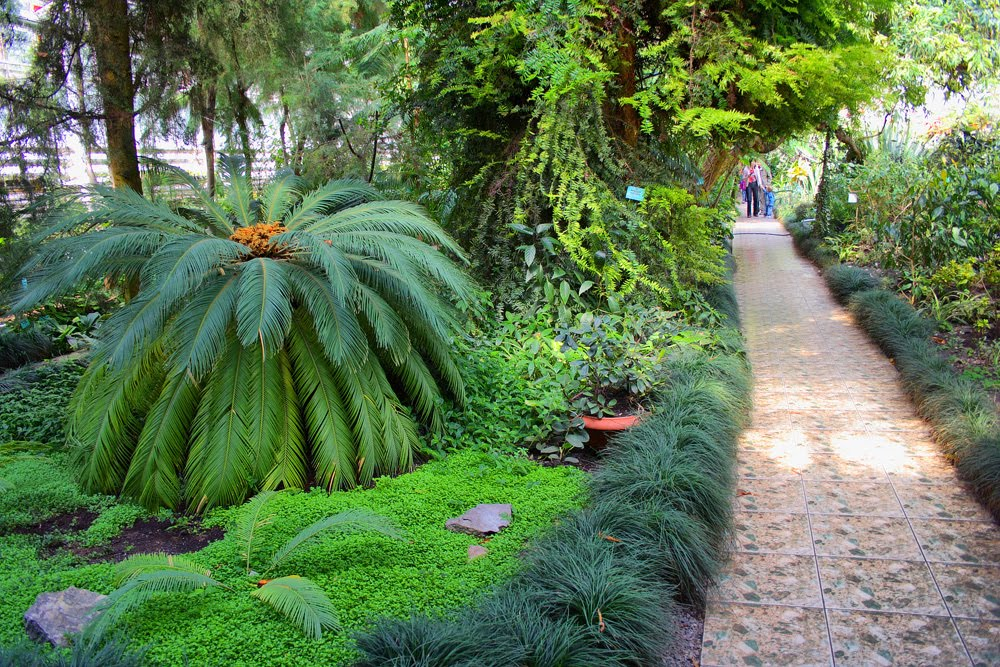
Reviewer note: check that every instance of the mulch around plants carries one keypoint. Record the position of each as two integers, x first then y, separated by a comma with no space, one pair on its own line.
689,625
145,536
60,523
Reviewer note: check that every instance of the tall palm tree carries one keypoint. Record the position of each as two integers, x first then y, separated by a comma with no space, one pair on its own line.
274,340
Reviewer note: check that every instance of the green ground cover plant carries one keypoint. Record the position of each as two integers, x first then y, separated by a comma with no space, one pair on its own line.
599,589
964,416
364,576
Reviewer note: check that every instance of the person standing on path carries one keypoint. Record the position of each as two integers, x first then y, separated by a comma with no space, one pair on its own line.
753,190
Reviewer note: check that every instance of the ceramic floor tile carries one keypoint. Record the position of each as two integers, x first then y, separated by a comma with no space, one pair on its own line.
864,537
834,467
958,541
737,634
869,639
868,498
756,463
936,501
970,590
769,532
923,467
880,585
770,579
982,638
755,438
770,495
825,420
885,423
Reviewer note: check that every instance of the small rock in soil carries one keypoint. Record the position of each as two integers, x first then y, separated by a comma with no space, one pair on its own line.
476,551
482,520
56,615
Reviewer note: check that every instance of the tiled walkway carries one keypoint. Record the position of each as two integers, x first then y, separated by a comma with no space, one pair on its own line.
855,544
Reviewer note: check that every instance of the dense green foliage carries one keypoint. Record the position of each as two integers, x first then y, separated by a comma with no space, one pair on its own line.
365,576
844,280
929,215
273,338
82,654
35,400
545,112
597,590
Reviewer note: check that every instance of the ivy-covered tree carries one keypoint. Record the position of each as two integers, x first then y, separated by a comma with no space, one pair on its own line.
548,109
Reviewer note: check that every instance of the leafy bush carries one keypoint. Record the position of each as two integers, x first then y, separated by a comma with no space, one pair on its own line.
267,342
845,280
35,401
23,347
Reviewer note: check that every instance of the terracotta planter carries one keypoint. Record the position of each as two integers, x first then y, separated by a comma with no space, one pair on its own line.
600,428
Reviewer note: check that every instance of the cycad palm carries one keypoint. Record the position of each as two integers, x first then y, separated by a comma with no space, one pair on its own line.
273,341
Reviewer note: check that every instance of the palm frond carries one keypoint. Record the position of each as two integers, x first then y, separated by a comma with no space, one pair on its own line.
138,564
200,331
397,217
153,475
300,601
352,521
219,468
213,213
340,335
142,587
239,191
106,416
290,456
252,519
332,197
316,252
325,419
280,195
263,306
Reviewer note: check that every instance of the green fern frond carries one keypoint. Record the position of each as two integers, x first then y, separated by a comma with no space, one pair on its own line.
302,602
351,522
252,519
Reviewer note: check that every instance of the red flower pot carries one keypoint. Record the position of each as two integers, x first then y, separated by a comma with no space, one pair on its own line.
599,428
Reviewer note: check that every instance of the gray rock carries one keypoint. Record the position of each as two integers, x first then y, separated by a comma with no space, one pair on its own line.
477,551
482,520
56,615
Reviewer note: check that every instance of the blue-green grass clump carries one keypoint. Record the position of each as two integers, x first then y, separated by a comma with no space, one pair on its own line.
366,576
845,280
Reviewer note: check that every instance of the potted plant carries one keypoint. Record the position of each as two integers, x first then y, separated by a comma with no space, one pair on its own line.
619,364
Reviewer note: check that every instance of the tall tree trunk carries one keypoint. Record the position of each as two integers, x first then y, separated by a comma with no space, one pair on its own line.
109,29
626,115
283,128
720,162
243,125
86,131
208,134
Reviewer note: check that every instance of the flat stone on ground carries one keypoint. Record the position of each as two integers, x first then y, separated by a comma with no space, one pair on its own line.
56,615
482,520
477,551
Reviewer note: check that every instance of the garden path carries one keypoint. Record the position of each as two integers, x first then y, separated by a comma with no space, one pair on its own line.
856,544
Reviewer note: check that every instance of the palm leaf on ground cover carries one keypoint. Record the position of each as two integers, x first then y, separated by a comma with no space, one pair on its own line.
300,600
274,339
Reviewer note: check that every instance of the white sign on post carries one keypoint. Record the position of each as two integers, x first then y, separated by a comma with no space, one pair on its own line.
852,197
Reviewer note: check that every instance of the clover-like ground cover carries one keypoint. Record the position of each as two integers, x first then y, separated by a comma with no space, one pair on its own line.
366,576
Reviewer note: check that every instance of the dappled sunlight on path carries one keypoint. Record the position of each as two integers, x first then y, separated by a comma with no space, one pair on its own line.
855,542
